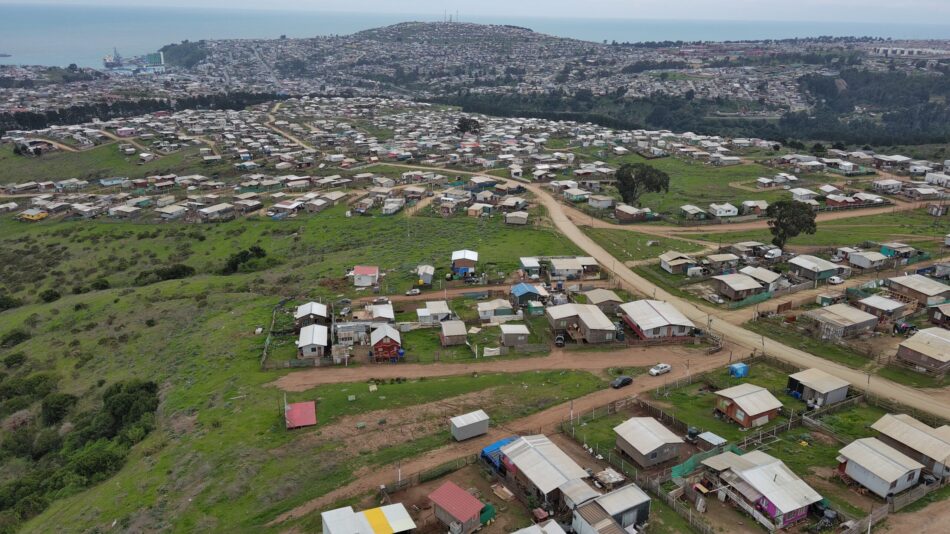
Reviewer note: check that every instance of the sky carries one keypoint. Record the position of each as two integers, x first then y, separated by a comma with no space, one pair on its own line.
907,11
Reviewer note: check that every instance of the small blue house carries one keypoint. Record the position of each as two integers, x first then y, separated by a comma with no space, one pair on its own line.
524,293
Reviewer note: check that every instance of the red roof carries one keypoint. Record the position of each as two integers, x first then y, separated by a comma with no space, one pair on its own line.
365,270
298,414
459,503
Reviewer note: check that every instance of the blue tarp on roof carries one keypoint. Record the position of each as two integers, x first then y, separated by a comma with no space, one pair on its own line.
492,453
523,289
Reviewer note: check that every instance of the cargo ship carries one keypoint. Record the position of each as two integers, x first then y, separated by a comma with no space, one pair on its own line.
113,61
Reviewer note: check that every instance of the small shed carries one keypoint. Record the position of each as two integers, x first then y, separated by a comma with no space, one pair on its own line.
469,425
456,508
817,385
453,333
513,335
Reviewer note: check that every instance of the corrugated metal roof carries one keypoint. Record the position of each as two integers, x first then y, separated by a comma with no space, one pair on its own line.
459,503
384,331
780,486
645,434
819,380
542,462
469,418
578,491
515,329
921,284
438,307
752,399
738,281
465,255
589,314
314,334
311,308
932,342
453,328
548,527
813,263
904,429
881,303
594,515
649,314
879,458
619,501
600,295
841,315
761,274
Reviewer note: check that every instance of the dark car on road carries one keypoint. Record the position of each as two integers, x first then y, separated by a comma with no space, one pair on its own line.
621,381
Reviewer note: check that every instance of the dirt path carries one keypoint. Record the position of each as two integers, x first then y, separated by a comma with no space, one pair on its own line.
748,340
270,124
128,140
577,360
545,421
930,520
62,146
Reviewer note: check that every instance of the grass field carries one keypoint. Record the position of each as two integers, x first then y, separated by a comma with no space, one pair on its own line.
626,245
694,183
220,457
915,227
101,162
307,256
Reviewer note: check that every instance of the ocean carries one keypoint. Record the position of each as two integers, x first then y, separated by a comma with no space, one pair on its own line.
60,35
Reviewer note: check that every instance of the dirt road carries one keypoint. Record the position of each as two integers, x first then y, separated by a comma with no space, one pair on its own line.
128,140
577,360
699,314
544,421
270,124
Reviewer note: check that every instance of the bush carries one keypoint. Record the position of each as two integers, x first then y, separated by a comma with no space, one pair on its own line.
172,272
14,360
14,338
55,407
7,302
50,295
100,284
238,259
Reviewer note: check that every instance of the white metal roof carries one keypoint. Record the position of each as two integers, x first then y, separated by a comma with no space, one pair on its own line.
819,380
645,434
578,491
904,429
530,263
469,418
650,314
548,527
881,303
454,328
542,462
932,342
315,334
618,501
383,331
311,308
600,295
383,311
752,399
438,307
738,281
515,329
588,314
813,263
879,458
780,486
465,255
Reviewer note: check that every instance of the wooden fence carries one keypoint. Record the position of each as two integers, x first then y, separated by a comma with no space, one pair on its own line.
270,332
911,496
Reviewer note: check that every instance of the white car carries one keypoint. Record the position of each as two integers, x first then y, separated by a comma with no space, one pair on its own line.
835,280
660,368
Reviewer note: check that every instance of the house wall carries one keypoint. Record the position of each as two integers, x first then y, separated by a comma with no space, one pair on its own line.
310,352
919,297
597,336
362,280
731,410
514,340
876,484
908,355
931,465
446,518
385,349
469,431
662,454
448,341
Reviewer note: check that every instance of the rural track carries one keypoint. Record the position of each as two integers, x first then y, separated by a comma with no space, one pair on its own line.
270,124
543,421
128,140
558,359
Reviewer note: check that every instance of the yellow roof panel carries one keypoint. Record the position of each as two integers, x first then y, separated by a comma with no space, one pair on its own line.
378,521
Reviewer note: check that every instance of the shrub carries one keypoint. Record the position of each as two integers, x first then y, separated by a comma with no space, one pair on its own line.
14,360
7,302
50,295
100,284
13,338
55,407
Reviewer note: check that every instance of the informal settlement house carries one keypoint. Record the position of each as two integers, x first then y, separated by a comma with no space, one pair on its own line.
925,291
885,309
312,342
647,442
456,508
392,519
840,321
464,262
582,322
737,286
676,262
310,313
928,350
878,467
817,386
923,443
748,404
538,468
608,301
814,268
763,486
617,512
655,319
365,275
385,343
